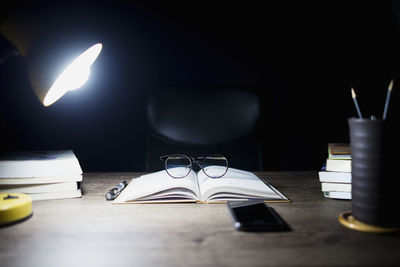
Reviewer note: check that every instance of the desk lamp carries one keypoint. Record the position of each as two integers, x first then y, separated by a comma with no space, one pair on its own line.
52,68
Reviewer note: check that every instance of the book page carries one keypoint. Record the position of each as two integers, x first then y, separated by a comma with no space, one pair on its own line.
235,185
170,195
39,188
160,186
56,195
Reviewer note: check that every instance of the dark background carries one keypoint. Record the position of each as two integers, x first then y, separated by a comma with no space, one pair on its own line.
301,58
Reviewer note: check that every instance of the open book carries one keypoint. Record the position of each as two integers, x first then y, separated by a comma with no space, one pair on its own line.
235,185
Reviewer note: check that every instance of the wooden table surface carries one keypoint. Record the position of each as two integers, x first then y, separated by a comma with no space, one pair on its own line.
93,232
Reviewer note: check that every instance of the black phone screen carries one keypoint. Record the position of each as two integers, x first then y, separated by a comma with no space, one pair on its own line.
256,216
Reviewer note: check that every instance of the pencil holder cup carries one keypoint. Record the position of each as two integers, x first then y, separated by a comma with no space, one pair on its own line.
375,182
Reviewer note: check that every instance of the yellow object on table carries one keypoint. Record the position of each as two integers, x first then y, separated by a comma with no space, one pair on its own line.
14,207
347,219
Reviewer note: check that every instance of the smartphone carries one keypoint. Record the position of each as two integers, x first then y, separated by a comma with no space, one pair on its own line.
256,216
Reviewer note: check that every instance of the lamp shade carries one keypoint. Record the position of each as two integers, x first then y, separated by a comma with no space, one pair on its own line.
57,61
56,69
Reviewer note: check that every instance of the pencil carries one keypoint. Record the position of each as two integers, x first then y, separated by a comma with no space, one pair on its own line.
353,95
389,91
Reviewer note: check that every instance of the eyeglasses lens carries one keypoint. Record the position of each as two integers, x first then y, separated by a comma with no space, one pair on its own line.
215,166
178,166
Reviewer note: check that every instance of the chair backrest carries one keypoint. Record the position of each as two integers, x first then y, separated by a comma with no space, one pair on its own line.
198,122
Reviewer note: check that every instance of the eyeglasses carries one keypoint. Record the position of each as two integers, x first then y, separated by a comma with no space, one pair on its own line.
179,166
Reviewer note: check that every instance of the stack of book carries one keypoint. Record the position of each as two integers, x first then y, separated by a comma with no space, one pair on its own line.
41,174
335,176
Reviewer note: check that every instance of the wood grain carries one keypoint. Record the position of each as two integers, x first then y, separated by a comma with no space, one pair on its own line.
93,232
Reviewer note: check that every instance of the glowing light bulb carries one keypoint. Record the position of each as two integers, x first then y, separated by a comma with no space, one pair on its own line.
74,76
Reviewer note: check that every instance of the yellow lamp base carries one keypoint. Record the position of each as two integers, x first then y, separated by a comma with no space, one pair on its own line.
14,207
347,219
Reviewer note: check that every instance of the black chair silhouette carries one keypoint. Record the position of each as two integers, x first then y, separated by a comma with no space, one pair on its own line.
201,122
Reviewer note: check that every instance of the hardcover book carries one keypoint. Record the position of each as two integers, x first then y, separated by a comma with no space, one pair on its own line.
335,177
338,165
339,151
26,164
39,188
337,195
341,187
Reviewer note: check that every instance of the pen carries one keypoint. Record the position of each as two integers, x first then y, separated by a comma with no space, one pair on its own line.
113,193
387,99
353,95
